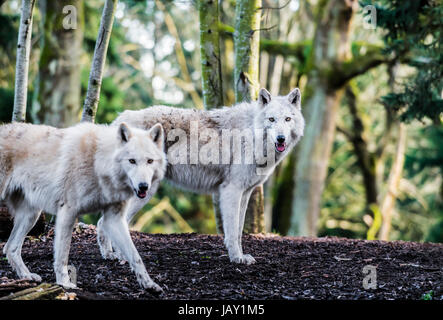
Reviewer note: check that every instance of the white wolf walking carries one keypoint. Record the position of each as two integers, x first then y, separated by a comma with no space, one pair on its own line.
69,172
230,183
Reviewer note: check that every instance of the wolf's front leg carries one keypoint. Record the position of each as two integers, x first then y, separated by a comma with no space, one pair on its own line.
104,243
243,208
229,203
64,224
133,207
116,228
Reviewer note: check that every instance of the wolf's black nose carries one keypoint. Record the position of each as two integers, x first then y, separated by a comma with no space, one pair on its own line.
143,187
281,139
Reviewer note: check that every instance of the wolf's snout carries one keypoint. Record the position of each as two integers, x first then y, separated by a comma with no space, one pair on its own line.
142,188
280,145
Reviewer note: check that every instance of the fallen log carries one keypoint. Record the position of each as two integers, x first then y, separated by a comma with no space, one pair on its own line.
11,285
45,291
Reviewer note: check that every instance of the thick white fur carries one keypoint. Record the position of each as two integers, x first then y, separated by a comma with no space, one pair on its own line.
69,172
230,184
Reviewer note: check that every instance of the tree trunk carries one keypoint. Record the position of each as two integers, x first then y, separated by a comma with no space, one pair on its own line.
58,101
98,62
321,101
210,54
366,160
387,206
22,63
246,47
211,67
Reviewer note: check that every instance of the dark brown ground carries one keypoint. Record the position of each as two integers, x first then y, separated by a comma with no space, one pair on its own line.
191,266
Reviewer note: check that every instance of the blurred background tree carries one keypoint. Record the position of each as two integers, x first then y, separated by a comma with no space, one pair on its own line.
372,98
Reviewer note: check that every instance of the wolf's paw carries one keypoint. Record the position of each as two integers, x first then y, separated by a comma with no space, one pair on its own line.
244,259
67,285
32,276
108,255
151,286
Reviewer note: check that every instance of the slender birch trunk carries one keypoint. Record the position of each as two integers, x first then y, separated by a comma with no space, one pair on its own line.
98,63
22,64
211,68
246,47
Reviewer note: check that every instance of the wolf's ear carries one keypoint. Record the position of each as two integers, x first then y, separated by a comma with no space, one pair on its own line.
124,132
157,135
294,97
264,97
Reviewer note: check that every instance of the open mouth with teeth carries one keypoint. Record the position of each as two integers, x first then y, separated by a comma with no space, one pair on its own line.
140,194
280,146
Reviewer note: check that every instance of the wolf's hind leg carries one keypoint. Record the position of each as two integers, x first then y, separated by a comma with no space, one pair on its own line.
64,224
25,218
116,228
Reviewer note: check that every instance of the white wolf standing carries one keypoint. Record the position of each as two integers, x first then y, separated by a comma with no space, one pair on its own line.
231,184
73,171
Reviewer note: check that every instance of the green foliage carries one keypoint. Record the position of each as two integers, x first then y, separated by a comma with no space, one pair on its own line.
112,100
8,32
428,295
7,104
414,28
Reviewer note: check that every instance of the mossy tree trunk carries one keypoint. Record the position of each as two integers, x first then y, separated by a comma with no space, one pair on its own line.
210,54
246,48
98,62
331,47
58,100
211,67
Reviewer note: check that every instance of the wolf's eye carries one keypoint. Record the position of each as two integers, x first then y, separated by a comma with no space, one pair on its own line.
288,119
150,161
132,161
271,119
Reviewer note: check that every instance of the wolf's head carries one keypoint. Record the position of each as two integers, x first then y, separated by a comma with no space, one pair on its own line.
281,118
141,156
